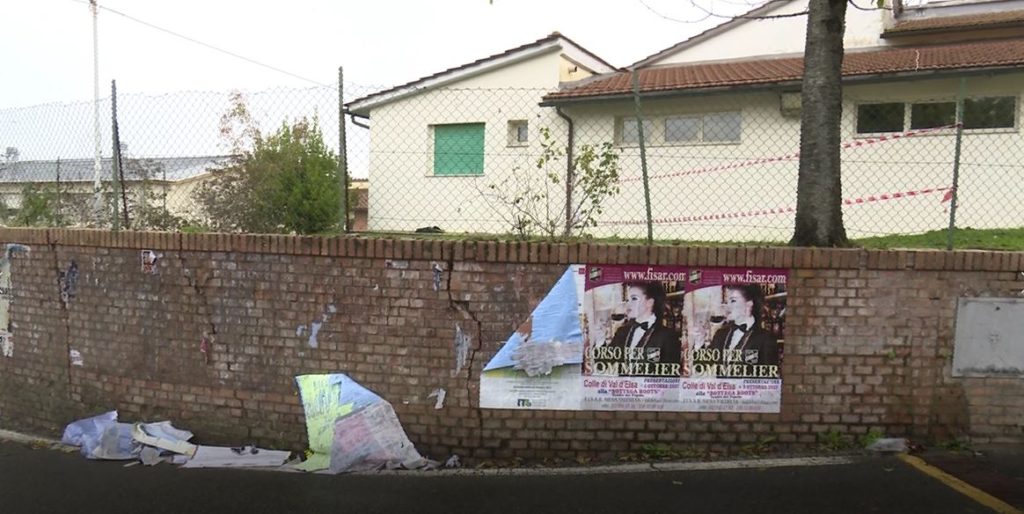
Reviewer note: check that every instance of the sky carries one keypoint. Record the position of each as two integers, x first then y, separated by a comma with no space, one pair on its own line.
47,52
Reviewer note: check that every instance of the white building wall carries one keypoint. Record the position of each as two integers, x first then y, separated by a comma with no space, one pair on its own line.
778,36
717,191
405,194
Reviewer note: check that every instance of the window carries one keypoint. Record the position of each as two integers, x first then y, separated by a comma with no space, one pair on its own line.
720,127
724,126
875,118
459,149
931,115
518,133
996,112
682,129
630,135
991,112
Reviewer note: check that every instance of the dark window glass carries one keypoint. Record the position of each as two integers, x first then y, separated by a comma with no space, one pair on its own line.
992,112
875,118
931,115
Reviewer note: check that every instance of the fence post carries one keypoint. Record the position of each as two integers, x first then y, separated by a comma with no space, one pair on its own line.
956,164
342,152
115,156
643,154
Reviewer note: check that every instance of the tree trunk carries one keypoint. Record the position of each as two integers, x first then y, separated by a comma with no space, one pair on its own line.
819,213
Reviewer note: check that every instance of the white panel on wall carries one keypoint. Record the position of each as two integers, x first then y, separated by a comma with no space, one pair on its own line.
989,338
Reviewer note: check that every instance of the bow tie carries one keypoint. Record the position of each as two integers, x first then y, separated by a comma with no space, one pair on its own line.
644,326
742,328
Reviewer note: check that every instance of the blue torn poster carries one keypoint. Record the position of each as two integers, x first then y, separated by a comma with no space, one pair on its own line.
539,367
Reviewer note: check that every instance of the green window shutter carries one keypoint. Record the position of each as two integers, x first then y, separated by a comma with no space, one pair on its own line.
459,149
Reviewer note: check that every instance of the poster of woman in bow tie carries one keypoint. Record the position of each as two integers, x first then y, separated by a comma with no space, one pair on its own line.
683,339
742,339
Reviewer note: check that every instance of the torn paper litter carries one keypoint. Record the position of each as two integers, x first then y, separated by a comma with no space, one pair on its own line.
244,457
372,438
325,398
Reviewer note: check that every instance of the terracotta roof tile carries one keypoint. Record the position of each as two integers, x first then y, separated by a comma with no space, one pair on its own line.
1002,53
980,20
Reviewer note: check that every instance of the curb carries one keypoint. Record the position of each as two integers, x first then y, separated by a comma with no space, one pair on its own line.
8,435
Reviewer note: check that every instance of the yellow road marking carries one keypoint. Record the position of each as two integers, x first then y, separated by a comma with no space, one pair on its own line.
960,486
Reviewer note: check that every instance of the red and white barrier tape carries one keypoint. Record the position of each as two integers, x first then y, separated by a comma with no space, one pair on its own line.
783,210
857,143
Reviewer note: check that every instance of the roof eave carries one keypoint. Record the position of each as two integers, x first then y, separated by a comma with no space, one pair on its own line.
783,84
709,33
362,107
896,32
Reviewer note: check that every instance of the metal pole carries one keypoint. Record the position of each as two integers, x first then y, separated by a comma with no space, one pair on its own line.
60,198
643,154
117,163
115,155
570,170
342,153
956,163
97,201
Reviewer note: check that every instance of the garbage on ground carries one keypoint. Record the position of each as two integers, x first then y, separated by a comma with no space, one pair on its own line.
372,438
103,437
888,445
243,457
93,426
350,428
162,435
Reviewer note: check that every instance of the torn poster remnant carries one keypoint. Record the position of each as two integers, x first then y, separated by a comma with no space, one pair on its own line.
462,342
7,296
438,271
372,438
439,394
350,427
148,258
68,281
326,398
75,357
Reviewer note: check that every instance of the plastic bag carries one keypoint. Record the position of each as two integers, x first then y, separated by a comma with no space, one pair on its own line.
93,427
114,443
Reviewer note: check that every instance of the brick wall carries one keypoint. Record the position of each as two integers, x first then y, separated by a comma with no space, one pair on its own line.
868,345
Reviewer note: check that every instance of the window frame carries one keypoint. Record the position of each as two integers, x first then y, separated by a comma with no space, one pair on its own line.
476,160
658,130
513,132
908,113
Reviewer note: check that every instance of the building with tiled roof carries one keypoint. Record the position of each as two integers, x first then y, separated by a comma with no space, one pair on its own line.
437,142
720,127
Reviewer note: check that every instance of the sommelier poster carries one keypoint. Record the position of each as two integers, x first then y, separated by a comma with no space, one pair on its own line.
660,338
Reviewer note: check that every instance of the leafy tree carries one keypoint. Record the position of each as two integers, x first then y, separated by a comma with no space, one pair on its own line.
146,195
39,207
284,182
534,203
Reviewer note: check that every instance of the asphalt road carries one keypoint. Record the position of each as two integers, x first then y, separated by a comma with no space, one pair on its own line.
43,481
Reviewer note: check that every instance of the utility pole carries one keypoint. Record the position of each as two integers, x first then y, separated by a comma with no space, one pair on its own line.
97,201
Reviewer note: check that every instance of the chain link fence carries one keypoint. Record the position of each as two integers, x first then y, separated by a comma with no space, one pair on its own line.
717,167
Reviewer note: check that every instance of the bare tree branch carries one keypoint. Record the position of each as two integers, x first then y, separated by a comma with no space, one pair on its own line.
669,18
